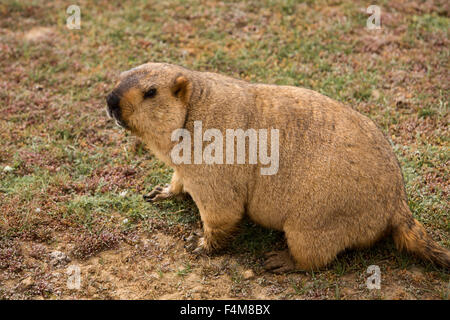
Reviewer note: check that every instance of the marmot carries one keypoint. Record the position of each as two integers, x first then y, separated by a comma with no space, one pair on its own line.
338,184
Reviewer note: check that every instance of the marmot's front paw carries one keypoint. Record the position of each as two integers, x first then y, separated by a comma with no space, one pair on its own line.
159,193
195,244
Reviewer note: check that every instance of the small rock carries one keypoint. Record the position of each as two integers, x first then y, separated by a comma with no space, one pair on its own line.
197,289
27,282
59,258
8,169
248,274
123,194
91,290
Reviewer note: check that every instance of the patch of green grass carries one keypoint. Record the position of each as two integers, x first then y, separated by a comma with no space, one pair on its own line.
86,209
27,186
185,270
425,112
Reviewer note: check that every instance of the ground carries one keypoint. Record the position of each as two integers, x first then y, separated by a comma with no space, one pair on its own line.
71,182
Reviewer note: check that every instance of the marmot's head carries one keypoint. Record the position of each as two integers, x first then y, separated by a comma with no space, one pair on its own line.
151,99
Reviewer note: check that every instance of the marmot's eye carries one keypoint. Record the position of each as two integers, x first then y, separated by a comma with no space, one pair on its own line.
150,93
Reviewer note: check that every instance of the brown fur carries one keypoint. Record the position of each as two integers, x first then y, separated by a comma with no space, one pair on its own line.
338,186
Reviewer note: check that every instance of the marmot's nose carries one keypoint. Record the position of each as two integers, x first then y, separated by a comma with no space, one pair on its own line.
113,101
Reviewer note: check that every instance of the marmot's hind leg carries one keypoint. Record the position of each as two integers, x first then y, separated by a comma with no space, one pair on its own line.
308,250
279,262
311,250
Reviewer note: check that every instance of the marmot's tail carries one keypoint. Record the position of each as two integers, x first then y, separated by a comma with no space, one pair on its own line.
411,236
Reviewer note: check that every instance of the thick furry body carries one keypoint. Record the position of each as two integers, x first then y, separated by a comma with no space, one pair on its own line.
338,185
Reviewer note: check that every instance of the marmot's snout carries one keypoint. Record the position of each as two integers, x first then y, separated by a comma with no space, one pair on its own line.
113,108
112,101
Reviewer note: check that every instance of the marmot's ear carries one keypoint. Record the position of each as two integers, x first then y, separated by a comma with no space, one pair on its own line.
181,88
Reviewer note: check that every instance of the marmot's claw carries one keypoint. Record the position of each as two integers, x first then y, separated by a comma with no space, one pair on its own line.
194,243
199,250
158,193
279,262
190,238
